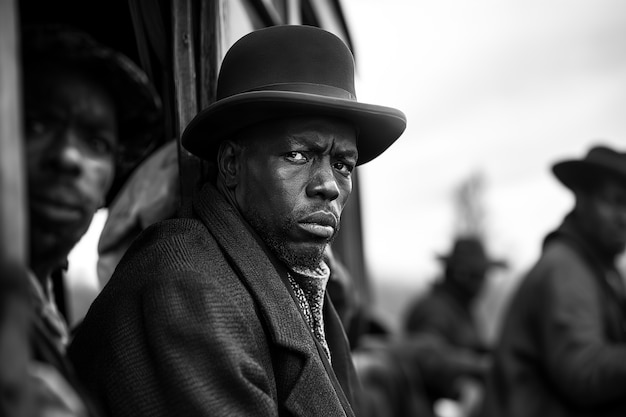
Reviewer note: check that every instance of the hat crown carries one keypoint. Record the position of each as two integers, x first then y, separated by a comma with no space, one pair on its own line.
288,58
604,155
290,71
600,162
467,248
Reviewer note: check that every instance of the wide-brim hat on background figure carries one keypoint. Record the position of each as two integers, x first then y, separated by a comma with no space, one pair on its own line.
285,71
599,162
470,250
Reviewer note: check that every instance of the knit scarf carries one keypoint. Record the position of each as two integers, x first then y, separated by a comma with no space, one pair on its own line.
309,286
45,307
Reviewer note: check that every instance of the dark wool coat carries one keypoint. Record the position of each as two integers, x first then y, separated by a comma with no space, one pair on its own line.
197,321
451,346
44,346
443,311
563,345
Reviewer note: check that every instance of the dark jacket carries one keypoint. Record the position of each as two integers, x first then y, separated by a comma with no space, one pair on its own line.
56,388
197,321
562,350
445,312
446,341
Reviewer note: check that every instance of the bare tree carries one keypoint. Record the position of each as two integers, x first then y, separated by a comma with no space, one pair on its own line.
469,206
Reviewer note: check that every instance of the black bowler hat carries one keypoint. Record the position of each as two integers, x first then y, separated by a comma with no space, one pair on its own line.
600,162
470,250
284,71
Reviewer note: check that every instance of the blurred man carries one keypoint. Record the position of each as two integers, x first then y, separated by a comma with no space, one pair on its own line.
452,355
226,312
562,350
87,109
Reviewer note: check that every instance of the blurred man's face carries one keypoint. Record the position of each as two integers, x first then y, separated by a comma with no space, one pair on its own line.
603,212
294,180
469,277
71,137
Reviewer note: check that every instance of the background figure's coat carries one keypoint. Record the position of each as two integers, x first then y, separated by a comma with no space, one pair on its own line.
562,351
452,347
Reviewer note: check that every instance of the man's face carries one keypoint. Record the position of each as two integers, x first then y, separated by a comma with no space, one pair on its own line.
604,212
469,277
71,137
294,180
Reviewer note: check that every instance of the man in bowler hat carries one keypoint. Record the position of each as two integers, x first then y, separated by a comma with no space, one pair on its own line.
224,313
562,350
451,354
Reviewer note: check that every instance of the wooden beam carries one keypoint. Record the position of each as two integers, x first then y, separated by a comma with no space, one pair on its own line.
190,167
293,12
267,12
210,50
348,245
13,237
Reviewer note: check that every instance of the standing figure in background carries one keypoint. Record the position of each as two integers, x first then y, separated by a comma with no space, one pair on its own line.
452,356
562,350
89,112
225,312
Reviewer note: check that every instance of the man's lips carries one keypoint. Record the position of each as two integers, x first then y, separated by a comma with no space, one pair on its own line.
61,208
321,223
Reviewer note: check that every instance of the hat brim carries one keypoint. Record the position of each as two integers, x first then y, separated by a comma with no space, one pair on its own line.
490,263
573,173
378,126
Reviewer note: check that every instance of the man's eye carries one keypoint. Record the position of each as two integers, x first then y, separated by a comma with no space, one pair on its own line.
344,168
100,145
36,126
615,200
296,157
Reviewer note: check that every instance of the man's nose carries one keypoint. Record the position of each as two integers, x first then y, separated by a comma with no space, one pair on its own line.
66,154
323,182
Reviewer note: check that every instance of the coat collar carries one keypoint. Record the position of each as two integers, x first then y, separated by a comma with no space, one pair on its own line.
262,275
252,261
571,231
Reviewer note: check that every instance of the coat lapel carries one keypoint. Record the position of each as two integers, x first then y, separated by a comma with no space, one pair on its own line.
275,303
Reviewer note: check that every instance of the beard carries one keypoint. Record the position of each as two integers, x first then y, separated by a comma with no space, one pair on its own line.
305,256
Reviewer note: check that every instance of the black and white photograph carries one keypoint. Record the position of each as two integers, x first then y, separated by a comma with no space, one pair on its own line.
314,208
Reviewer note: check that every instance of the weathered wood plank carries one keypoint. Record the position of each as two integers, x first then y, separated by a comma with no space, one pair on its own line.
13,238
185,91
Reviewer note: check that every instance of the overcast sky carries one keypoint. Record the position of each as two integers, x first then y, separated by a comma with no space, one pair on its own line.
504,89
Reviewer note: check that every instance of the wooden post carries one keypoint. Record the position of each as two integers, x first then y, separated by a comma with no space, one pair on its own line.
210,49
12,173
292,12
348,244
190,166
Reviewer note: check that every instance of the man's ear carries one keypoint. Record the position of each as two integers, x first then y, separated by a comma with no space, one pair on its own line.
228,163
